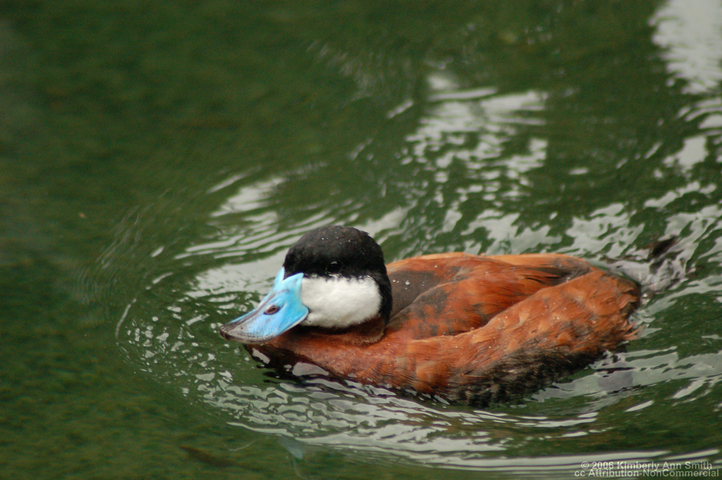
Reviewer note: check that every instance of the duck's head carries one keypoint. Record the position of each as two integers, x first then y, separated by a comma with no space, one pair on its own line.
333,278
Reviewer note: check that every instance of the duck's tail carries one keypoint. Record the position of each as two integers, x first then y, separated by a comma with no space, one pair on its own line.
656,268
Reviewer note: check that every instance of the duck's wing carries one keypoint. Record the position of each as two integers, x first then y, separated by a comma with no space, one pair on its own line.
453,293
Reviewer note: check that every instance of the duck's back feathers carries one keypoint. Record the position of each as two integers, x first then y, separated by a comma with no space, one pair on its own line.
453,293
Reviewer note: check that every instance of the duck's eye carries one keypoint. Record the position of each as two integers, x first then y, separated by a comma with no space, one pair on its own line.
271,310
333,267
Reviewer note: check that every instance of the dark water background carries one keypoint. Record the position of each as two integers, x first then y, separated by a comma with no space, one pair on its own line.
158,158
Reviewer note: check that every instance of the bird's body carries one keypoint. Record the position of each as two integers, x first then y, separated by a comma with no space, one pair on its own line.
466,328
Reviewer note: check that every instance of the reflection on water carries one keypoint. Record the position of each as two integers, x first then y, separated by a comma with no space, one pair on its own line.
692,34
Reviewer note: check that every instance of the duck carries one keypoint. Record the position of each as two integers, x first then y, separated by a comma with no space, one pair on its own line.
460,328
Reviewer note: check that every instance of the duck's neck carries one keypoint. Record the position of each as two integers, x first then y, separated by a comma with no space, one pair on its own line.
364,333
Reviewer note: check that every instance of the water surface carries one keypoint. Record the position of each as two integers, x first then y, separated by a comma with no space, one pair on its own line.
158,160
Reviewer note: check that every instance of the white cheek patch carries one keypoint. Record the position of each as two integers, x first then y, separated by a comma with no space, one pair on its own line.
338,302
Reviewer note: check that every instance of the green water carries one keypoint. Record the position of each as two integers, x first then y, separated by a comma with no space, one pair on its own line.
158,158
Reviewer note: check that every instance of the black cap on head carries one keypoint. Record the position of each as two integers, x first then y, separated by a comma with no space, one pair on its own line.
335,250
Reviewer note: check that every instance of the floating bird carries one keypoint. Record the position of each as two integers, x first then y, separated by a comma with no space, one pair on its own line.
470,329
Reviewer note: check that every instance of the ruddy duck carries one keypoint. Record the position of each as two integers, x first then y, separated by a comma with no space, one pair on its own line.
470,329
